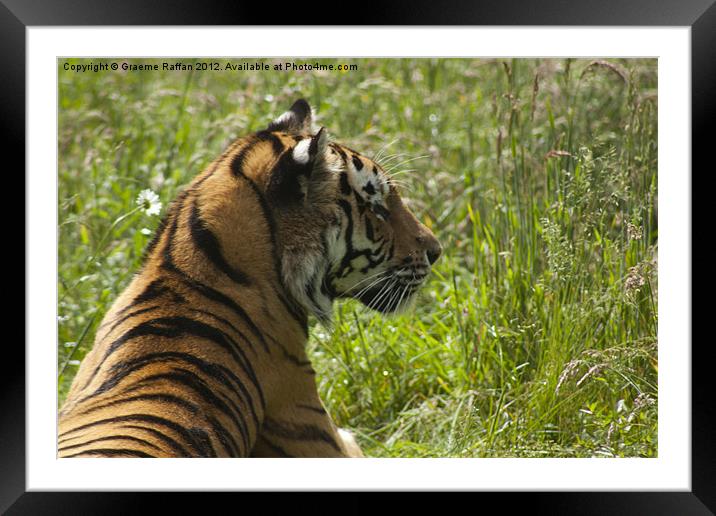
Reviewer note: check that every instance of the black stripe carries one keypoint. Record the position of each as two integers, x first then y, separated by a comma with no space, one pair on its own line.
221,320
202,438
111,438
174,445
348,210
293,309
294,359
221,374
230,149
357,163
214,165
348,237
369,229
112,453
205,240
276,448
120,320
345,185
155,239
173,327
381,256
226,439
287,355
144,329
267,136
319,410
171,232
148,418
162,397
360,202
381,210
298,432
190,380
340,152
172,212
152,291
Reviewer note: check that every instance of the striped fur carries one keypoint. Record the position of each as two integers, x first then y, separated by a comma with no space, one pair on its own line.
203,354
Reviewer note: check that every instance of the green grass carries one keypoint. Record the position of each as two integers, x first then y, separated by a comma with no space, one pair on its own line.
537,333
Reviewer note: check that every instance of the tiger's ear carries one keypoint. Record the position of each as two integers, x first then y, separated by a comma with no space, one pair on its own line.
316,149
300,173
296,120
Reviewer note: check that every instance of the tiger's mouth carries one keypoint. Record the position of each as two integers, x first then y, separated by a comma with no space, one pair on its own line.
394,290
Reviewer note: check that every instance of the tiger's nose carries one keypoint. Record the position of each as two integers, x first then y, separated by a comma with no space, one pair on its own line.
434,254
432,247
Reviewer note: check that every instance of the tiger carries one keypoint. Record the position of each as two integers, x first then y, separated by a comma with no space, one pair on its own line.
204,353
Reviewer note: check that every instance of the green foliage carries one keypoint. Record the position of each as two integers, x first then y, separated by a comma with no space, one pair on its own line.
536,335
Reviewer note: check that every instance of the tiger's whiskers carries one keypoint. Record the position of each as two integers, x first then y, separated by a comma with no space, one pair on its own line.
378,154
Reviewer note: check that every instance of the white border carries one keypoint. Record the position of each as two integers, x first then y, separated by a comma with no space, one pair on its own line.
670,471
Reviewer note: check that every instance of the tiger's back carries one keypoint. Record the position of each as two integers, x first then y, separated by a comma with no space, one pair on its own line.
203,355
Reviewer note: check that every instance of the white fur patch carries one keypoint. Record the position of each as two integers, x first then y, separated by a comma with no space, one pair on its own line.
300,151
286,118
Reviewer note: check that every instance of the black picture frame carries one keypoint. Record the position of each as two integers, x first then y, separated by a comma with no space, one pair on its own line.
17,15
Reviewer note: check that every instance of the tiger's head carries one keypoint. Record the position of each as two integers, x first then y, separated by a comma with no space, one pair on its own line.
343,230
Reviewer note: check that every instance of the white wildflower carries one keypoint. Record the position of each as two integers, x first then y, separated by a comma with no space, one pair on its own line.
149,202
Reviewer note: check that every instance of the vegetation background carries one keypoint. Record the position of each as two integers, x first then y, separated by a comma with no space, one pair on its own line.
537,333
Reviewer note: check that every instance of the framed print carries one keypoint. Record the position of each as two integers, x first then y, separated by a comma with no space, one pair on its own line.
461,251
